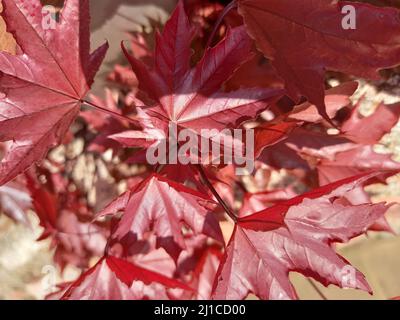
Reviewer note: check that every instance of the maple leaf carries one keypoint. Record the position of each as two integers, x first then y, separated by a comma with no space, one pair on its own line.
199,268
43,84
336,156
269,134
304,38
45,204
74,240
295,235
295,144
196,265
192,97
336,99
365,132
303,149
359,155
355,161
164,206
370,130
204,273
114,279
123,76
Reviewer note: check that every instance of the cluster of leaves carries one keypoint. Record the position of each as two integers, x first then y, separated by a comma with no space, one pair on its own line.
263,67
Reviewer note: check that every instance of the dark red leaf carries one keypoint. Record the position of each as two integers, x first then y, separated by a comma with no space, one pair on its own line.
304,38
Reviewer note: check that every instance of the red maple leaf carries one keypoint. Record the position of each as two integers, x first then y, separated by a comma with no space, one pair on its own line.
192,98
74,238
112,279
43,85
164,206
295,235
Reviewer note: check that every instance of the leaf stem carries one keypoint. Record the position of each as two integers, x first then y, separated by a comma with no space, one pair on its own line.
215,193
223,14
109,112
320,293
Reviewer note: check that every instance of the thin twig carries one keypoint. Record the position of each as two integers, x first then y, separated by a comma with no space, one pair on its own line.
110,112
215,193
320,293
223,14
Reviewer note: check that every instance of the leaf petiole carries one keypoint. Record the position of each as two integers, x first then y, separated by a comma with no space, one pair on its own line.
109,112
215,193
223,14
